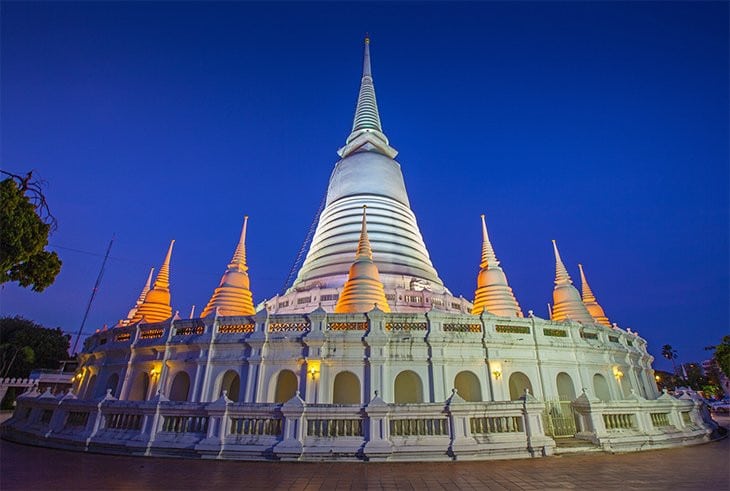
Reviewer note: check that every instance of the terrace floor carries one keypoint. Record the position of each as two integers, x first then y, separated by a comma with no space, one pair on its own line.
704,466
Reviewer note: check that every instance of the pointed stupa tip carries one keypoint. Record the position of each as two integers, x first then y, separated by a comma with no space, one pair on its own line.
586,291
239,255
366,70
233,295
590,301
363,289
489,258
493,293
145,289
561,273
364,250
156,305
567,303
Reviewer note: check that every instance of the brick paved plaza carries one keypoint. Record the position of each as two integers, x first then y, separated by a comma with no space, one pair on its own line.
704,467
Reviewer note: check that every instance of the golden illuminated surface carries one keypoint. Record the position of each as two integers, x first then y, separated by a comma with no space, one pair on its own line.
567,303
233,295
363,289
493,293
589,300
133,311
156,306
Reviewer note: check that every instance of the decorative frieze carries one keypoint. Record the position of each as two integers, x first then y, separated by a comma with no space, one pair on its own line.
462,327
236,328
289,326
405,326
152,333
556,333
509,329
347,326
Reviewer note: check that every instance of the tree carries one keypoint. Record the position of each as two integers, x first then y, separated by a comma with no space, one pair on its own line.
670,354
25,345
722,355
25,223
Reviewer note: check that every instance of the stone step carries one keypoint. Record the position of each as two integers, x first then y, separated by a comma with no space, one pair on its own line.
574,445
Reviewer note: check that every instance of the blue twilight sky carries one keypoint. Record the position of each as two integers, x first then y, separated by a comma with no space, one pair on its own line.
602,125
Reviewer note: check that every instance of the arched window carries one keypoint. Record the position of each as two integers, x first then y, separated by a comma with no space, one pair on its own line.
468,387
111,383
408,388
286,386
346,389
600,387
566,389
231,383
180,387
140,387
518,382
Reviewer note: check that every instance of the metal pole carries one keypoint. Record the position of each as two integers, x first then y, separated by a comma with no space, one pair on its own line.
93,295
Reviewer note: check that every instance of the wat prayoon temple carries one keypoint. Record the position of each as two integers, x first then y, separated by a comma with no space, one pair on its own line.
366,356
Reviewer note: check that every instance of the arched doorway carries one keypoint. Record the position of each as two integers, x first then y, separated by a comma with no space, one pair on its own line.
180,387
140,387
600,387
231,383
518,382
468,387
566,389
408,388
111,383
286,386
346,389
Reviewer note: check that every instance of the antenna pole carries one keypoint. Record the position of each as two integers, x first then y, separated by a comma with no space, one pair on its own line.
93,295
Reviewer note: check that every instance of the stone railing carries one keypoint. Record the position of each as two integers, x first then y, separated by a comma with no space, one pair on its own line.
292,431
637,423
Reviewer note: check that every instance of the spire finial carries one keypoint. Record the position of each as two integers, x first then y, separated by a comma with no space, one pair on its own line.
590,301
561,274
239,255
364,250
588,295
163,276
489,258
233,295
363,289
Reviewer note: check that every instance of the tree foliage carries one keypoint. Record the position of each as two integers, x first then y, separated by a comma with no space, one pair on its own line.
25,345
25,224
722,355
670,354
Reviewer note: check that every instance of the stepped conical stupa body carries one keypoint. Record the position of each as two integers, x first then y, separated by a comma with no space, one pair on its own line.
368,175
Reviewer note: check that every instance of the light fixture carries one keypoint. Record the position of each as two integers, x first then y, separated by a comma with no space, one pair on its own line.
657,378
497,374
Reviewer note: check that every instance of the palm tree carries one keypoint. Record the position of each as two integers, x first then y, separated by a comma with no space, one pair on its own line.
670,354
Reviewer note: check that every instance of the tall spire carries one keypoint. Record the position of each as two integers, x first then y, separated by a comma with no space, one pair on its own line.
561,273
367,132
493,293
589,300
363,289
368,175
567,303
156,305
233,295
